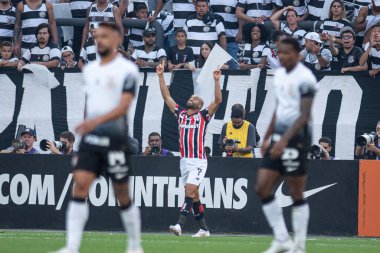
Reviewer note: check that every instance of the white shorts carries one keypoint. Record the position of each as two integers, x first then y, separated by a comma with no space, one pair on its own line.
193,170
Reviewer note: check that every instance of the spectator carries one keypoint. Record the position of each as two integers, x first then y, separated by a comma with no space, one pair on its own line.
238,136
135,35
89,52
166,20
6,53
28,138
256,11
315,9
7,20
204,25
67,138
368,16
314,56
227,10
44,52
149,55
348,54
325,145
332,26
206,48
180,56
101,11
272,59
372,52
291,27
29,15
68,58
256,51
298,5
154,147
370,151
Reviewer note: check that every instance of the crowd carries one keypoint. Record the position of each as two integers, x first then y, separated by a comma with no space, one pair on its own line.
347,38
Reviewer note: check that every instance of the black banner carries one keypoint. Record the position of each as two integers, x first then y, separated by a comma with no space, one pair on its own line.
34,191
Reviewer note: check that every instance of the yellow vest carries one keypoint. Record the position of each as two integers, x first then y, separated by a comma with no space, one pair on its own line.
240,134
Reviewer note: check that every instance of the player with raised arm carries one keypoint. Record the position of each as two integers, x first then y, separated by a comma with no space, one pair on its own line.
192,123
285,148
110,86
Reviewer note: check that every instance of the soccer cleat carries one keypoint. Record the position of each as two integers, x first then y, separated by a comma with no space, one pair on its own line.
135,251
64,250
280,247
202,233
176,229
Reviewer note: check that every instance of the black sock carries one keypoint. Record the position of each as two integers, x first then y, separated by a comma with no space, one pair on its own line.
185,211
199,215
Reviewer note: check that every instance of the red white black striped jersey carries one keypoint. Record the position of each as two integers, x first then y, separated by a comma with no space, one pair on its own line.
192,131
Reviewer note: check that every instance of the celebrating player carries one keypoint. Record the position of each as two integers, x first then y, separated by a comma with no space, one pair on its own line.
192,123
110,85
286,154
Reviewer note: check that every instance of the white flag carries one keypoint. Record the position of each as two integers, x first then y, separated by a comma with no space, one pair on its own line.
205,81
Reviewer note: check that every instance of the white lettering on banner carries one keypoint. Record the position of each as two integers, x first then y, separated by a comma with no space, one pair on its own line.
348,115
160,182
64,191
205,193
21,180
40,191
102,189
174,191
240,193
144,191
7,101
225,193
4,200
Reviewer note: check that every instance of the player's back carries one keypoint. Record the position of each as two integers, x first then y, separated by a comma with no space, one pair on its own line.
289,89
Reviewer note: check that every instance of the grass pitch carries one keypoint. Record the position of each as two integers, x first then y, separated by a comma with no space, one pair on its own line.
41,242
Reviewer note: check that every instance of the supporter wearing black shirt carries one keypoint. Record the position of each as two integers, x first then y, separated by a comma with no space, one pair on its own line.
180,56
348,54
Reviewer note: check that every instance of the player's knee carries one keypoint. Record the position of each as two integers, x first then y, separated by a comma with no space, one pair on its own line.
80,189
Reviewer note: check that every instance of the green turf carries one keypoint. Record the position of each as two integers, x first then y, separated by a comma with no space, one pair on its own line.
39,242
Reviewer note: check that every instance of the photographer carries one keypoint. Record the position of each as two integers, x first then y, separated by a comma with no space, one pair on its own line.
154,147
25,145
367,145
238,136
66,140
323,149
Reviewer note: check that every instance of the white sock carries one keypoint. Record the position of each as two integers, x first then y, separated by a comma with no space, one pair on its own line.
275,218
76,218
300,222
132,223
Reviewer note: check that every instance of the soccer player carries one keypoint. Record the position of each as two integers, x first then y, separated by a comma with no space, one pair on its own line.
285,148
110,84
192,123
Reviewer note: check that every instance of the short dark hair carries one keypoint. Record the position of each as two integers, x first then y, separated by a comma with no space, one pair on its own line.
154,134
350,32
206,1
42,26
6,44
180,30
293,43
237,111
277,34
111,26
293,10
139,6
325,140
68,135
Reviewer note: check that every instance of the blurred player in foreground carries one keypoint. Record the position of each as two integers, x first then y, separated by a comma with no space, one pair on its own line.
110,85
192,124
285,149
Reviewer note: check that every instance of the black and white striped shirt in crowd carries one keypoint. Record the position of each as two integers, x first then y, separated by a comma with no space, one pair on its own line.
88,52
79,7
197,32
257,8
7,23
333,27
153,56
253,55
181,10
96,16
299,5
315,8
135,36
359,4
38,54
373,57
166,20
298,33
227,10
31,19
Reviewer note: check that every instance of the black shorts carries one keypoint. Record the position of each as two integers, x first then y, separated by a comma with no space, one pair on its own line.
108,161
293,161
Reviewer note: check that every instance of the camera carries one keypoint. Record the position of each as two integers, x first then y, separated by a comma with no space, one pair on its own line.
366,139
57,144
317,152
155,150
231,143
18,144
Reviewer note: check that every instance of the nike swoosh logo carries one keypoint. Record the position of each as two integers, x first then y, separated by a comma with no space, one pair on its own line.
285,201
